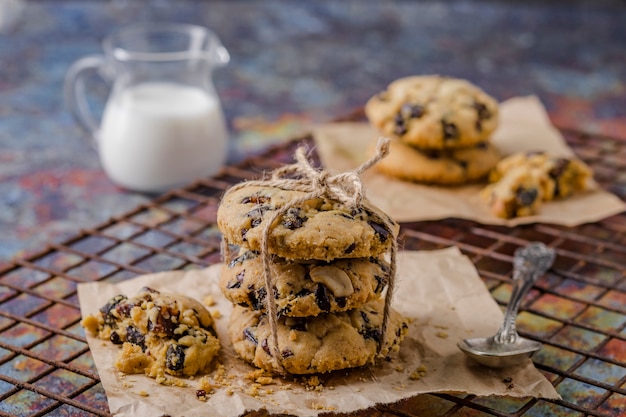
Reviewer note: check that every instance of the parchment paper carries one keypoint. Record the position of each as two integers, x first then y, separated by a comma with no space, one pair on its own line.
524,126
440,291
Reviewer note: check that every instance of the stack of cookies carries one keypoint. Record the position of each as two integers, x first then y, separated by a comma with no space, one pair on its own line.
328,269
439,127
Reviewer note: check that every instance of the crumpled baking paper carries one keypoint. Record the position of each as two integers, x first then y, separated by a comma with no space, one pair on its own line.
439,291
524,126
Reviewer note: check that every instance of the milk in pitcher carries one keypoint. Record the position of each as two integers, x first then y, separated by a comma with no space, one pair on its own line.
158,135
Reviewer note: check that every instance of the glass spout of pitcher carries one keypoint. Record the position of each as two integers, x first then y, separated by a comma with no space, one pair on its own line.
162,125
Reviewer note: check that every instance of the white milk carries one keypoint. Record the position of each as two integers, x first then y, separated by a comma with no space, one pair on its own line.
158,135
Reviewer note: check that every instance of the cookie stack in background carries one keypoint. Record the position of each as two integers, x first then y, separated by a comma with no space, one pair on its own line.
328,270
439,128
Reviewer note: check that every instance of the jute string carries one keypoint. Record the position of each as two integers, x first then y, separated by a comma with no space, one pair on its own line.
345,188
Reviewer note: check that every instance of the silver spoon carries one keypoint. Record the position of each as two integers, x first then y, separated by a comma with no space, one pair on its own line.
506,347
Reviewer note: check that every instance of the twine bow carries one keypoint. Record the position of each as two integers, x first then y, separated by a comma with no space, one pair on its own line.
345,188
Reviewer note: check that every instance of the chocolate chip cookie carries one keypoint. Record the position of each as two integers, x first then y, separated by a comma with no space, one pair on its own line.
304,288
564,175
319,344
158,333
439,166
434,112
518,193
316,229
521,182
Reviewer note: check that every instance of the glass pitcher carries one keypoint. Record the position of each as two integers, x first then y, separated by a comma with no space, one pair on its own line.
162,124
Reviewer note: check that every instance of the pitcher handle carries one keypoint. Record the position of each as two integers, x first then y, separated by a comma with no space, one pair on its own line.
75,94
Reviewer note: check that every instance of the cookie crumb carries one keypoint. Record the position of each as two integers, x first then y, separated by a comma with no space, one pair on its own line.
143,393
442,335
216,314
418,373
313,384
260,376
209,300
253,390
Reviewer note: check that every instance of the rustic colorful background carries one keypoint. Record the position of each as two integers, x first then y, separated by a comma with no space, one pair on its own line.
293,64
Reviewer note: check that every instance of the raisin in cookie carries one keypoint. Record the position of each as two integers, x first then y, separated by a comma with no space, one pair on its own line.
443,167
316,229
316,344
564,175
434,112
304,288
159,333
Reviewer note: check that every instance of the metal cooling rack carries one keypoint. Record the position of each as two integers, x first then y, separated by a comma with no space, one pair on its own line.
578,310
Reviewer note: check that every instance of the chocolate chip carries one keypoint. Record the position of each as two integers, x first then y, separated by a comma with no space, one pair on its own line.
350,248
481,145
341,302
286,353
526,197
242,258
303,292
364,317
175,357
450,130
411,111
372,334
257,298
399,125
255,199
134,336
293,219
164,325
256,214
482,111
381,282
236,283
123,309
266,347
247,332
356,211
115,338
380,230
200,393
109,306
321,297
478,125
560,165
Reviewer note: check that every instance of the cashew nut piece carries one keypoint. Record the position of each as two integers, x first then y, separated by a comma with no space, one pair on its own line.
336,280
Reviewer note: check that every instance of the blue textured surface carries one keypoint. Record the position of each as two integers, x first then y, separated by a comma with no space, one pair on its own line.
293,64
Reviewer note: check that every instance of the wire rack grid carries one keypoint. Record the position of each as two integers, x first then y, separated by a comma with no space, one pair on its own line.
578,310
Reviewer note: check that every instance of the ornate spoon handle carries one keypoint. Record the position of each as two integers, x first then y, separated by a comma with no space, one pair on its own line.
529,263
